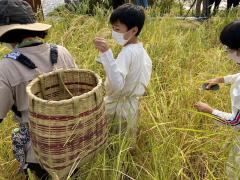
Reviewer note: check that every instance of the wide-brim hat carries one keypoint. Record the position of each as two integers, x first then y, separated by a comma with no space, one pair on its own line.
18,14
31,27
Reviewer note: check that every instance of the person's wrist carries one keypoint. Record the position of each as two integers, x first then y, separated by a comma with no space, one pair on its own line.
220,80
210,110
214,112
104,51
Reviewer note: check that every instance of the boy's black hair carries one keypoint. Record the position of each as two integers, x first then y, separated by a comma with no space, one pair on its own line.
130,15
230,35
17,36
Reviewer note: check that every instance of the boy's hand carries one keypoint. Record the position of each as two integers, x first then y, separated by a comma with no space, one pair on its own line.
101,44
203,107
212,82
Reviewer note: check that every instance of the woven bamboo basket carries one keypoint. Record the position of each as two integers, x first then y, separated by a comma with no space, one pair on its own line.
67,120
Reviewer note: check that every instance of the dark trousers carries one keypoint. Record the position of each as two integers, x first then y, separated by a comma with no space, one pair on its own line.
233,3
38,170
116,3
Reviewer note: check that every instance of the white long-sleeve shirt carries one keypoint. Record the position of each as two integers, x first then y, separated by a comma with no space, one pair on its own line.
233,118
127,78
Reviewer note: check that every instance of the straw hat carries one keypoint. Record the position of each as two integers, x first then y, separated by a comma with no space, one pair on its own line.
18,14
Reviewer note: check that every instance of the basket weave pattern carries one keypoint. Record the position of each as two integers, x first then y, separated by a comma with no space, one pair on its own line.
67,120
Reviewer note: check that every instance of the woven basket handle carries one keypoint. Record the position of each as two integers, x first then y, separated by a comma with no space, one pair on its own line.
60,74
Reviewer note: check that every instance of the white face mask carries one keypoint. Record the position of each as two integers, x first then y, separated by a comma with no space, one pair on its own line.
119,38
233,55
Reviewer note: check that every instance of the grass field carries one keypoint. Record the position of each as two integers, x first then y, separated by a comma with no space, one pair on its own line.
175,141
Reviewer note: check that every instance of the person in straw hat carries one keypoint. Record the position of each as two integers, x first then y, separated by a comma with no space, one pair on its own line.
30,55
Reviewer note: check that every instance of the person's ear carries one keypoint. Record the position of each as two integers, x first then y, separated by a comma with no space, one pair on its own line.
135,30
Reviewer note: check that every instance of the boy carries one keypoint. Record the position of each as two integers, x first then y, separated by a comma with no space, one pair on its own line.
230,38
20,31
129,74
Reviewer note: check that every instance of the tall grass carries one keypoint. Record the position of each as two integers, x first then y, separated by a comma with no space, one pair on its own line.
174,141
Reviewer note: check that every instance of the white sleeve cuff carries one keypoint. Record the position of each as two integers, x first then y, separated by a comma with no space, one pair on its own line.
223,115
231,78
216,112
228,79
105,57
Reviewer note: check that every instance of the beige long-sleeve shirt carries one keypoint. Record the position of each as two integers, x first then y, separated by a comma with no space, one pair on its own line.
14,77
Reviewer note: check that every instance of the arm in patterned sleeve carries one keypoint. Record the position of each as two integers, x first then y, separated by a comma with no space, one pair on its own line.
232,119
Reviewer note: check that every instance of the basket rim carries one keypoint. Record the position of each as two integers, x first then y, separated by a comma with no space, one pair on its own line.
82,96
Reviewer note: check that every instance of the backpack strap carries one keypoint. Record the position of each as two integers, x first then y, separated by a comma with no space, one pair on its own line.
26,62
53,54
17,56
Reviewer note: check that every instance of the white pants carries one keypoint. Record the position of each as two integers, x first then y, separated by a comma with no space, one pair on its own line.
124,113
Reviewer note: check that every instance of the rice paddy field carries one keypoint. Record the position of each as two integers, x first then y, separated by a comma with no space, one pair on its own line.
174,141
